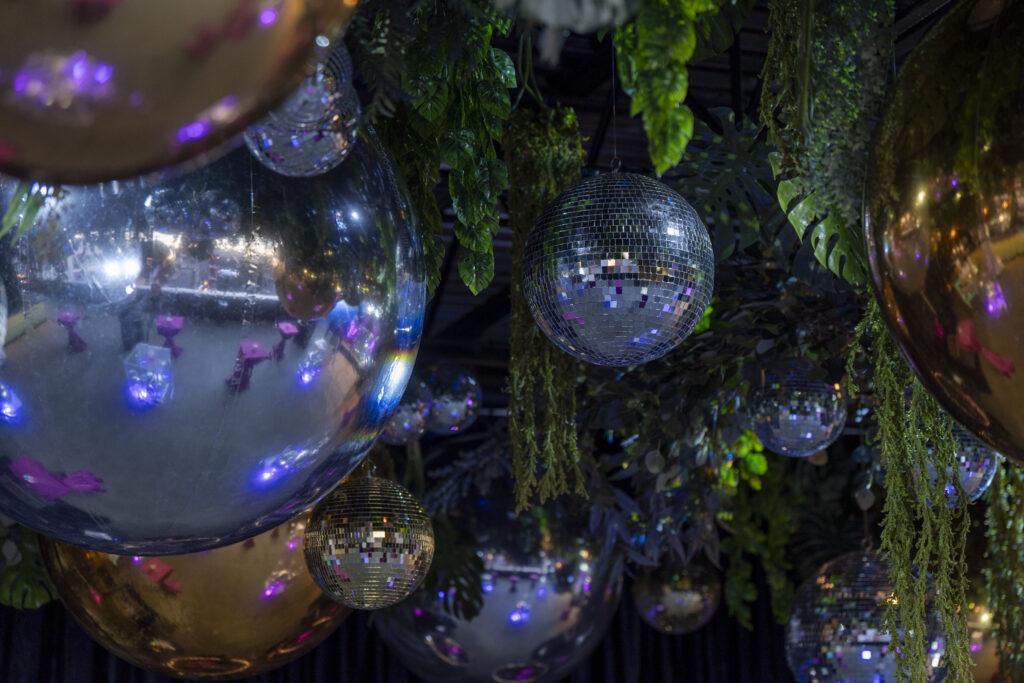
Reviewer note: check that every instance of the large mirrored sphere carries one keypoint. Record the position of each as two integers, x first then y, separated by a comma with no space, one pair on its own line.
409,421
546,589
92,90
675,599
455,399
944,213
618,270
230,612
836,630
794,413
193,362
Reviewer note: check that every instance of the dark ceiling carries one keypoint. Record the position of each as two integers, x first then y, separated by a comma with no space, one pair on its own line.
472,331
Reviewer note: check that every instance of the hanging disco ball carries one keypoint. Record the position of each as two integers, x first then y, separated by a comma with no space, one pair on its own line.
944,212
93,90
836,631
976,464
534,608
369,543
193,616
676,600
172,396
618,270
409,421
313,130
795,414
455,400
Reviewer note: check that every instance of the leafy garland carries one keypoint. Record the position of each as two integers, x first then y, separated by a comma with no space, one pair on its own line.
924,531
24,583
544,155
1005,536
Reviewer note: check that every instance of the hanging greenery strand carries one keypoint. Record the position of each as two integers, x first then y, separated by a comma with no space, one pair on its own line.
1005,572
924,527
544,154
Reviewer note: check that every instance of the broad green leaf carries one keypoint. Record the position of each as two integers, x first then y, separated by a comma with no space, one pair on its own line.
476,269
506,70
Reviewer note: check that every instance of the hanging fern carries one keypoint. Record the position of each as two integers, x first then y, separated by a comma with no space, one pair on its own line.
1005,574
544,154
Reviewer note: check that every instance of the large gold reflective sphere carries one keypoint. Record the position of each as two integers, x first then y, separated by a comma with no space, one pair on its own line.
224,613
944,214
92,90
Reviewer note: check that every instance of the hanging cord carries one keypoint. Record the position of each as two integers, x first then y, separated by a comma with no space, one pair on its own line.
616,163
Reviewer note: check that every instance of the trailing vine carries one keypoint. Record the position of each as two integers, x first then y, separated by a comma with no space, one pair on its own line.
1004,575
544,155
924,530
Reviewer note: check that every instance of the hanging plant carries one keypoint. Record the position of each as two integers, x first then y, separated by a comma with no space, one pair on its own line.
924,529
544,155
24,583
1005,572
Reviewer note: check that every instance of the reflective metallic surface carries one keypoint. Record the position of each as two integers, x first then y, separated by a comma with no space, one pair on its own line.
234,611
314,129
976,462
944,215
547,599
676,600
795,414
455,399
291,310
836,632
409,421
618,270
369,543
101,89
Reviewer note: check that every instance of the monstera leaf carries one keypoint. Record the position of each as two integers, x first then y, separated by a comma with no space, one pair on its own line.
23,580
837,245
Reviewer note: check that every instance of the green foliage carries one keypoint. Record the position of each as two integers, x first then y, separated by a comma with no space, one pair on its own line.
1005,572
653,51
825,80
24,583
923,534
717,32
27,200
544,155
455,570
744,461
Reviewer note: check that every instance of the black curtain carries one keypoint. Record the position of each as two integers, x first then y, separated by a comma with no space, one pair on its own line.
48,646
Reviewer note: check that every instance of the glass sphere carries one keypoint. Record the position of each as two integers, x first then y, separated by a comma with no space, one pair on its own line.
313,130
537,605
944,212
795,414
676,600
94,90
176,392
235,611
455,400
618,270
836,632
409,421
369,543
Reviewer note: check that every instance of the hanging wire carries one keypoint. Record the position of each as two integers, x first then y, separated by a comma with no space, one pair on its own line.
616,163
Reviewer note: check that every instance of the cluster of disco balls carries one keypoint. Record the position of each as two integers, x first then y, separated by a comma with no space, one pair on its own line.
446,401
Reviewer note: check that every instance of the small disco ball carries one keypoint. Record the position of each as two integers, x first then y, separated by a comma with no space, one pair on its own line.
409,421
676,600
369,543
976,464
455,400
94,90
315,127
794,414
836,632
618,270
170,398
537,606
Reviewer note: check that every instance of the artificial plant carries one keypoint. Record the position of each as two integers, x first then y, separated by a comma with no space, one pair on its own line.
1005,571
24,583
544,155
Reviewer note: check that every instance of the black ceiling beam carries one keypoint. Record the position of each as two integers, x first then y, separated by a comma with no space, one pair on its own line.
473,324
594,153
435,303
736,79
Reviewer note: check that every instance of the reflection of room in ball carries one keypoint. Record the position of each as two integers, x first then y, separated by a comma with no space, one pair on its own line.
455,399
677,599
160,371
234,611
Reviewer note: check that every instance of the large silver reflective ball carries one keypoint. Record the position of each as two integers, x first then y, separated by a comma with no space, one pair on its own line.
795,413
675,599
549,592
191,363
618,270
944,216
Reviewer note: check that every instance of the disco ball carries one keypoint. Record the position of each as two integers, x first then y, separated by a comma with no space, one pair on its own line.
976,463
167,401
455,400
835,632
315,127
944,212
795,414
618,270
93,90
676,600
235,611
547,592
369,543
409,421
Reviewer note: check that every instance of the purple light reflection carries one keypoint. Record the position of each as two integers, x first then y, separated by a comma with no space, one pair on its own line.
268,15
